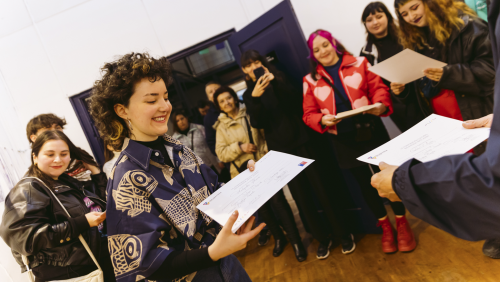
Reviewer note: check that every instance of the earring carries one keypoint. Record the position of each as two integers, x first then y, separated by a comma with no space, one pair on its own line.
130,124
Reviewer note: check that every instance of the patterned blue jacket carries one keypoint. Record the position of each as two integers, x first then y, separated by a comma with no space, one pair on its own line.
151,208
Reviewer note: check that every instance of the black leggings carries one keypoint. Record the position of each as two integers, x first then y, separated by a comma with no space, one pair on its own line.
316,182
278,207
363,175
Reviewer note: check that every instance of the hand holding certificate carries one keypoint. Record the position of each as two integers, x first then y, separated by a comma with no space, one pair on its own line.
434,137
248,191
405,67
356,112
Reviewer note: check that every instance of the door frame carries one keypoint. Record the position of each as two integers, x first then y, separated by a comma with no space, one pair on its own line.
87,124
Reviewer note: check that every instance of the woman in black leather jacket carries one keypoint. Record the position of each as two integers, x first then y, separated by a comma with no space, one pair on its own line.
448,31
35,225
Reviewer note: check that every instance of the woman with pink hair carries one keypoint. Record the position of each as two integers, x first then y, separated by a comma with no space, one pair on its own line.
340,82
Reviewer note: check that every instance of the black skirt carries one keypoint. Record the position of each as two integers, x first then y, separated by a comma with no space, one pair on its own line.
347,149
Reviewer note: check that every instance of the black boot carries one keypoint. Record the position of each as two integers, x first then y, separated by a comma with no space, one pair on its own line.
300,251
264,237
279,246
491,248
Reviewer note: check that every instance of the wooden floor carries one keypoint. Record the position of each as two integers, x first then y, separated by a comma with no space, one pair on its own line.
438,257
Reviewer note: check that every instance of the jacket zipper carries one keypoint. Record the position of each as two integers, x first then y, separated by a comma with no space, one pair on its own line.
90,197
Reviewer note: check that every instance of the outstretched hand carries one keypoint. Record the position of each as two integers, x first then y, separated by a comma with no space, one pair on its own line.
479,123
228,243
382,181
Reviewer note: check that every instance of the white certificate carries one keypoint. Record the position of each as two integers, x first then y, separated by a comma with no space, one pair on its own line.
248,191
405,67
434,137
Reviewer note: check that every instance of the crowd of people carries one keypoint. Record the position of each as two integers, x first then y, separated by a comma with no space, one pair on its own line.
138,213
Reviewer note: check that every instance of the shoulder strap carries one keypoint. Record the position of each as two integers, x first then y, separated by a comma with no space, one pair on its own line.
250,136
84,243
192,141
344,101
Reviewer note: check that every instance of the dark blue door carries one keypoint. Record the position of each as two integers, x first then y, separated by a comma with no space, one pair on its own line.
278,35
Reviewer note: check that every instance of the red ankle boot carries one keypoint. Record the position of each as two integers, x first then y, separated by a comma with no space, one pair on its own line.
388,239
406,240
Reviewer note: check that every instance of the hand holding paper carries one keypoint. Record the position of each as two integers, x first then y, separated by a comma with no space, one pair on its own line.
407,66
382,181
248,191
370,109
434,137
228,243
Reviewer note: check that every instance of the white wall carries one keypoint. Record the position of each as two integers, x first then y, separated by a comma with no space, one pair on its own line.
53,49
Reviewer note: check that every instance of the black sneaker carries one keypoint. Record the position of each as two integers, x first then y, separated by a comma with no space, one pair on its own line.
264,237
348,245
324,250
491,248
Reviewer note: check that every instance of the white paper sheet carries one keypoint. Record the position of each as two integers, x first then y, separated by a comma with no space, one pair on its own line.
248,191
434,137
405,67
356,112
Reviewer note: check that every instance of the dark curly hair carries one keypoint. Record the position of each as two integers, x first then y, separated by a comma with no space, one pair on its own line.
224,89
43,121
117,86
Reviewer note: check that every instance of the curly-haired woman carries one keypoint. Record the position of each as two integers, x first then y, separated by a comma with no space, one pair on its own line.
448,31
155,230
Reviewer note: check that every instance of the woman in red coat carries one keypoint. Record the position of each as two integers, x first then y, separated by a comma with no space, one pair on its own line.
340,82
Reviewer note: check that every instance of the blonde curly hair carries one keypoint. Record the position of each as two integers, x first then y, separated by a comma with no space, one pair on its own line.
442,16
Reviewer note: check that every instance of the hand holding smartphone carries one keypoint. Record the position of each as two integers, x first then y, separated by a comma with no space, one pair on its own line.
258,72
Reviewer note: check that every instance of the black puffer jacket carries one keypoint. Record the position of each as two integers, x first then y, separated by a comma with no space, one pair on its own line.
470,72
35,225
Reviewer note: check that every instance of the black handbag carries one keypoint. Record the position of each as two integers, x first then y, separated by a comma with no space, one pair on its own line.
365,125
244,165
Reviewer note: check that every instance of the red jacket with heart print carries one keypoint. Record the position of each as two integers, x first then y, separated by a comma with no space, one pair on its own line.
362,87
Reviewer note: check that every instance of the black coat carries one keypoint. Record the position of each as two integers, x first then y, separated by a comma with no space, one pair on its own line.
35,225
459,194
208,121
279,112
470,72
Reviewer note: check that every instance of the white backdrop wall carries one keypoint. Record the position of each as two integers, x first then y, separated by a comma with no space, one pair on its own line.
53,49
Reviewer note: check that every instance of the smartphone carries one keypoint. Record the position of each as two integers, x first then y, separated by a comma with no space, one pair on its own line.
259,72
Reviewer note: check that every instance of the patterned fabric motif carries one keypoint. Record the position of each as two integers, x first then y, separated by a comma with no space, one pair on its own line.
130,197
125,252
151,208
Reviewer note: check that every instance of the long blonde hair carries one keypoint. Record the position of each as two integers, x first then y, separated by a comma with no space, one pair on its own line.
442,16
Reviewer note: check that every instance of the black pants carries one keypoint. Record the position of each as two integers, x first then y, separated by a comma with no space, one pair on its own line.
316,184
278,206
363,175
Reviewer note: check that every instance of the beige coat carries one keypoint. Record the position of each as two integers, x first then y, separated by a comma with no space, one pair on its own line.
231,133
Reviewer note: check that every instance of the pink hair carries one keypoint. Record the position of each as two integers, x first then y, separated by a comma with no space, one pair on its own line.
325,34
